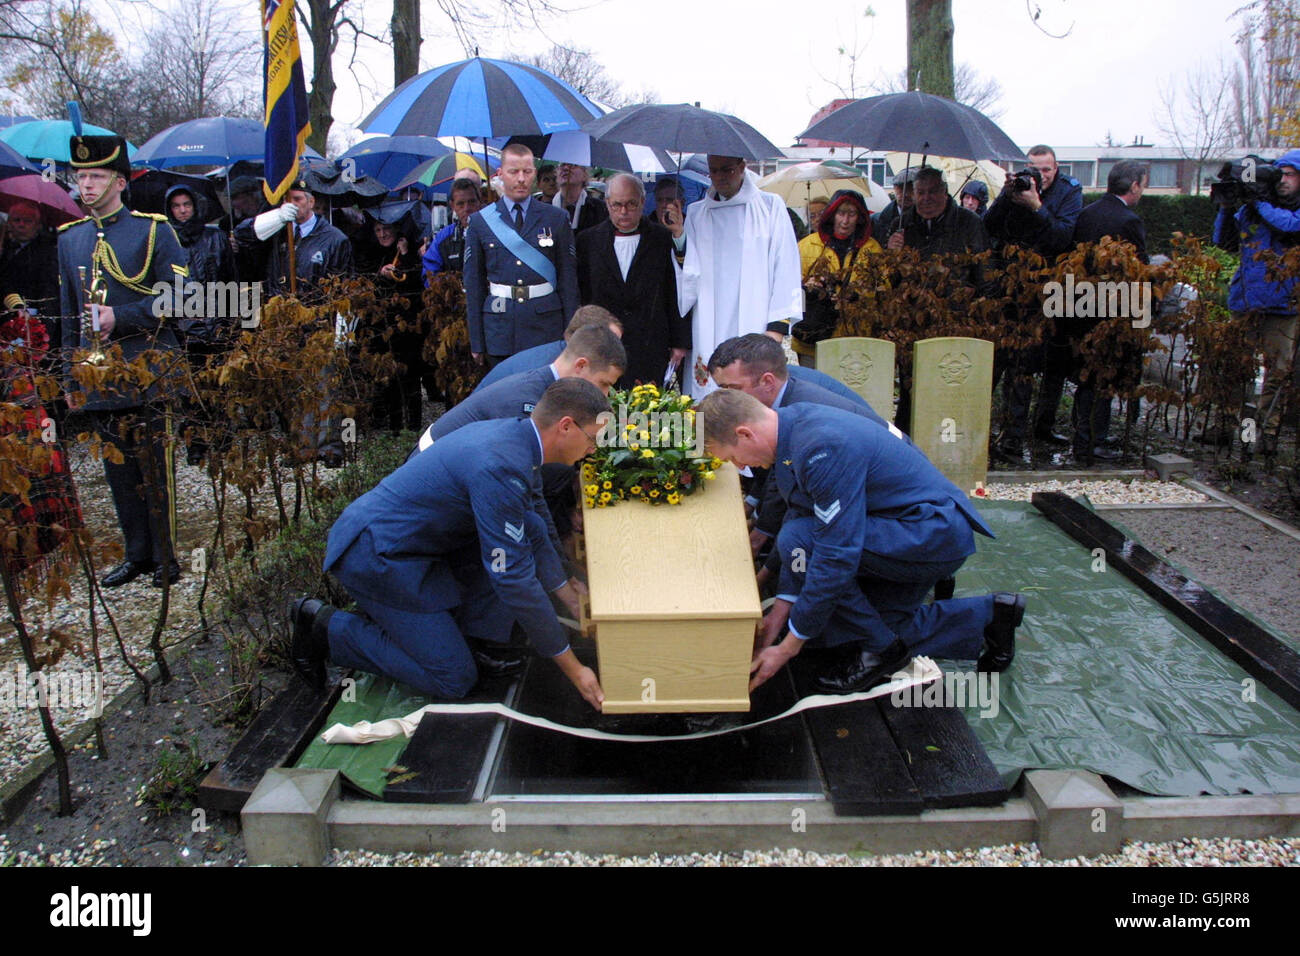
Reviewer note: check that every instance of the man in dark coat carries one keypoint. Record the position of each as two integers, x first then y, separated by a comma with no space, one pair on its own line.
625,265
572,197
1111,215
520,267
320,250
129,253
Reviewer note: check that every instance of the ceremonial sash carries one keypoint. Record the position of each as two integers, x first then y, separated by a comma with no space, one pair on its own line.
528,255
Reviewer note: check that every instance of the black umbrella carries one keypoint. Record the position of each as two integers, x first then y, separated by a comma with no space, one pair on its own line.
328,180
916,123
149,190
682,128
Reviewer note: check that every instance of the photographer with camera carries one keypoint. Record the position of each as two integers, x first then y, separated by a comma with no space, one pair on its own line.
1264,202
1037,210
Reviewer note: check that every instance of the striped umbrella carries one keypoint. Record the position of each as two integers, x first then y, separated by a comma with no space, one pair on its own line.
440,171
481,98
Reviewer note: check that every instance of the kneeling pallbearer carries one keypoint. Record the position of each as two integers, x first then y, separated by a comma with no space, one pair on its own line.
871,526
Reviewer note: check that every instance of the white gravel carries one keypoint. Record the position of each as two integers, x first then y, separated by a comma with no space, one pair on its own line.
1189,852
1110,491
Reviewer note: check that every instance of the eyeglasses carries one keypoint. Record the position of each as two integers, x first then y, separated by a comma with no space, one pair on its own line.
628,206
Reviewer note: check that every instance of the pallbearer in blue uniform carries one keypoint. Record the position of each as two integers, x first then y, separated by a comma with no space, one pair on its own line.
520,267
871,527
124,255
453,547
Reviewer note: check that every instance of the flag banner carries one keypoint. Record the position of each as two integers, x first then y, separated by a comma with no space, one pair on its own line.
284,94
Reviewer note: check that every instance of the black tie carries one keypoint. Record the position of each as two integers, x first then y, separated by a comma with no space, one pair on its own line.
297,233
519,218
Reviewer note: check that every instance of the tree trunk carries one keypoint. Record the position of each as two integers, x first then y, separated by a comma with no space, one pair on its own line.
406,40
320,101
929,47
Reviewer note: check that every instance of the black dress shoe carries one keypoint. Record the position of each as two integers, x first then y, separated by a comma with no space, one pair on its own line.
863,670
173,574
309,649
126,572
1051,438
1000,635
497,660
1009,449
944,589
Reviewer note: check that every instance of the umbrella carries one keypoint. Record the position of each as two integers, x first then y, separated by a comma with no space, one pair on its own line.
958,172
389,158
480,98
683,129
149,191
12,163
211,141
440,172
917,123
56,205
328,180
795,184
576,147
6,121
48,139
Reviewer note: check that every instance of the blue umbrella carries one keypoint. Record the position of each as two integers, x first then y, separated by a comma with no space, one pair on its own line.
481,98
389,158
12,163
48,139
211,141
7,121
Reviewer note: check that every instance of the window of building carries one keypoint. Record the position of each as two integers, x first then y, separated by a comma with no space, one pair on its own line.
1164,175
1082,170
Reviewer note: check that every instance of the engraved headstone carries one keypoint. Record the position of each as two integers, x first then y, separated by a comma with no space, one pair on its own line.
864,365
952,382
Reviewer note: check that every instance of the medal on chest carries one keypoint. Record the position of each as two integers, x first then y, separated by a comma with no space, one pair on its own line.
545,239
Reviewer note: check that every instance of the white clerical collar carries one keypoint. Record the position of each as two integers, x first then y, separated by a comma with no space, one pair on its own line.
554,371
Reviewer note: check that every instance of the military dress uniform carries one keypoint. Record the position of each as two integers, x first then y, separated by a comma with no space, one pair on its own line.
521,279
131,252
872,525
453,544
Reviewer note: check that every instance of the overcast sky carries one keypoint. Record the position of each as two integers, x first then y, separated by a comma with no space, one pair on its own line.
774,64
765,61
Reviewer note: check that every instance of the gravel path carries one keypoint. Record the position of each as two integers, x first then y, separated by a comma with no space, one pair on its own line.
1243,560
1111,491
1190,852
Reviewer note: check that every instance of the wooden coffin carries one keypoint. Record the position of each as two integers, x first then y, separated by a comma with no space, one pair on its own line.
673,601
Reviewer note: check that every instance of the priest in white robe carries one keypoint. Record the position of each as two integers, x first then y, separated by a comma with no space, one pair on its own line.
737,265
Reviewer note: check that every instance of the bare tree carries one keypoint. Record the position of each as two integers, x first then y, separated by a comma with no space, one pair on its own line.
582,71
1198,122
1264,87
405,28
971,87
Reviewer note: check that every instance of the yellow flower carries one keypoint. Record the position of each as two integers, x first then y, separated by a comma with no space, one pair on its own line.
674,498
634,447
605,496
648,453
669,485
590,491
635,489
607,485
644,436
654,492
589,502
708,476
715,463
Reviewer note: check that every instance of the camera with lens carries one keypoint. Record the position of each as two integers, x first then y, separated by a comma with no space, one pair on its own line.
1245,180
1025,180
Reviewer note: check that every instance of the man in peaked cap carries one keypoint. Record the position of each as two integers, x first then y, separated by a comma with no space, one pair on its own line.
130,253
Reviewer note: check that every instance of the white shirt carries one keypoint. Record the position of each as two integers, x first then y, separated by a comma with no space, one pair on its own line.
625,251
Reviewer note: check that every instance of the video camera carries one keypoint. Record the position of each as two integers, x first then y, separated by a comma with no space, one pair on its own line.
1245,180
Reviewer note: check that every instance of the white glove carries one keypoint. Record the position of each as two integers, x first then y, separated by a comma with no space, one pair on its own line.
272,221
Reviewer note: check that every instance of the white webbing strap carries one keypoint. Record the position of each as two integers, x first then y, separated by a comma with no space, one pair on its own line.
922,670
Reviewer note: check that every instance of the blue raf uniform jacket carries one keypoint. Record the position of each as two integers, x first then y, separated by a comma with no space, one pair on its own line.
868,492
472,497
511,397
504,326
